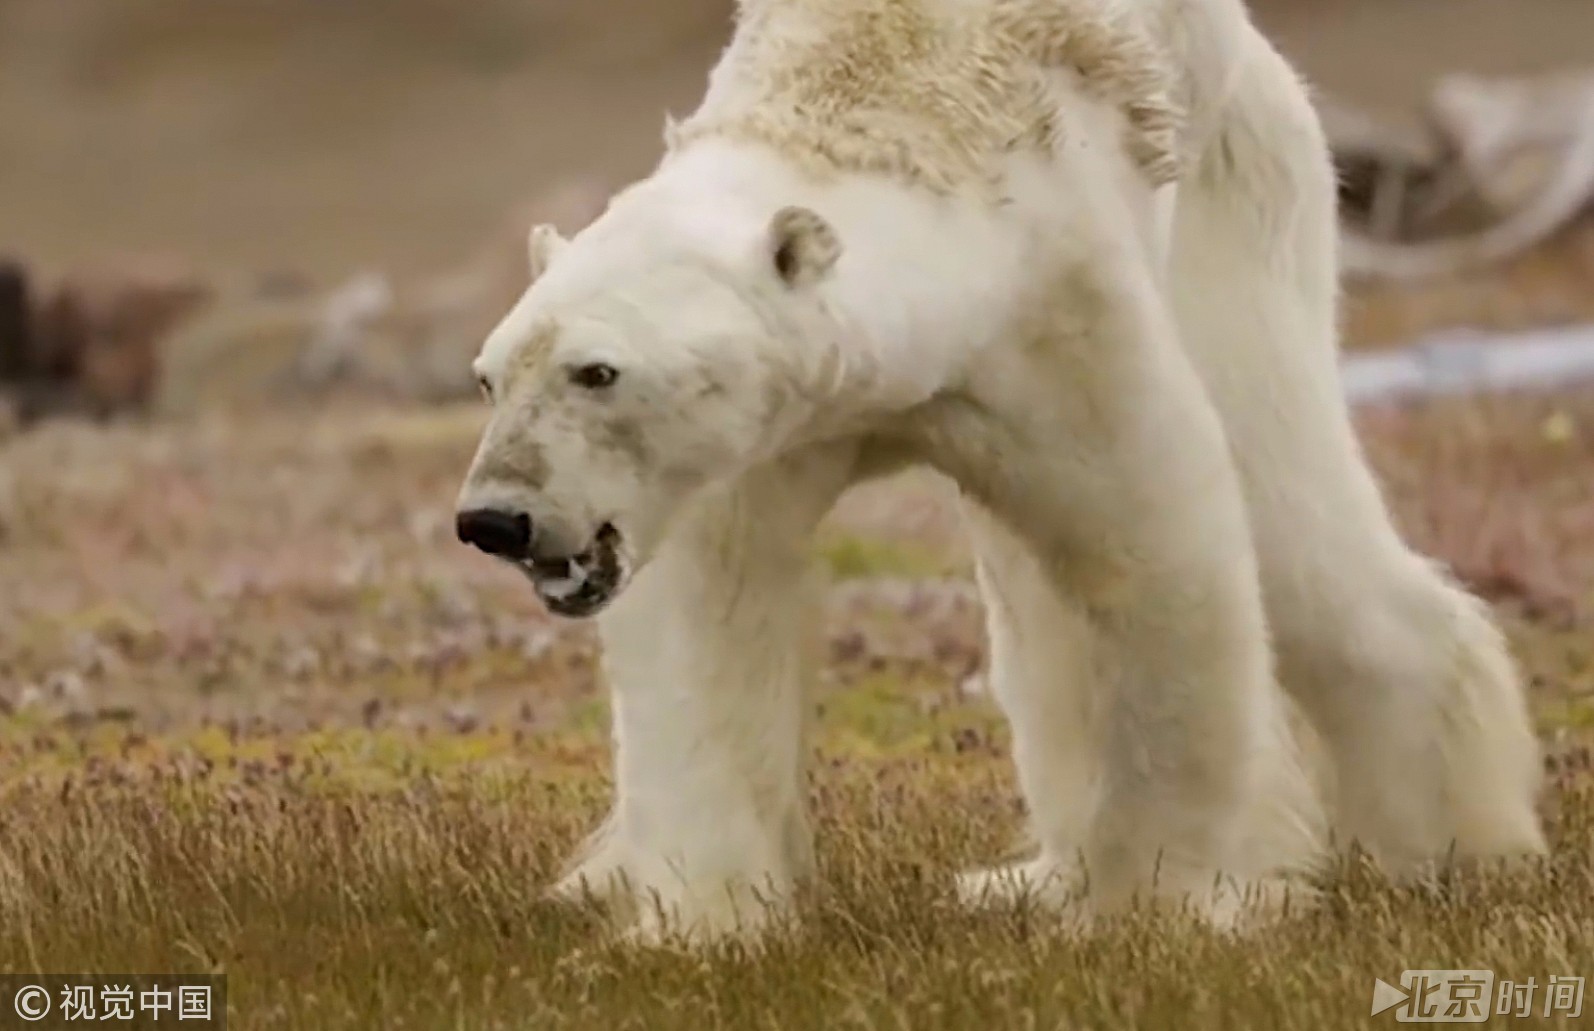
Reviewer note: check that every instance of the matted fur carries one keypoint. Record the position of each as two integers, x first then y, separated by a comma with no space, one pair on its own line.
932,91
1135,388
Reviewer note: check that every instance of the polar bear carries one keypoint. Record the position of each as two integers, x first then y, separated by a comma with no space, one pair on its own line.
1079,256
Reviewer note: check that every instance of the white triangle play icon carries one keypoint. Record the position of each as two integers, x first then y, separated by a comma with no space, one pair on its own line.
1386,995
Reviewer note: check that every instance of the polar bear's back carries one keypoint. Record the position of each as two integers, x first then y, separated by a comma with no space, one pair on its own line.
936,92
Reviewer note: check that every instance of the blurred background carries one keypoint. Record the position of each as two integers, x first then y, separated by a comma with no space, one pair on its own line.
262,712
296,192
321,135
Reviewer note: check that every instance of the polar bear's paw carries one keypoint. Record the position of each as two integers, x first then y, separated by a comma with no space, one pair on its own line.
589,883
669,909
1217,901
1047,882
1242,907
1063,888
728,913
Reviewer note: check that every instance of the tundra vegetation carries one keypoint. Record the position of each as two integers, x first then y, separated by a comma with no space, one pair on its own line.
260,714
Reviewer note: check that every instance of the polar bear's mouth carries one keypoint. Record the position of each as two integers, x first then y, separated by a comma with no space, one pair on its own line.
582,584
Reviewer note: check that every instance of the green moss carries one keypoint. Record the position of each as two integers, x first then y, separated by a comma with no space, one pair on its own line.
1573,714
896,713
854,557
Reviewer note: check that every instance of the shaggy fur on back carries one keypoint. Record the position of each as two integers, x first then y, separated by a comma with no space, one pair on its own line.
932,91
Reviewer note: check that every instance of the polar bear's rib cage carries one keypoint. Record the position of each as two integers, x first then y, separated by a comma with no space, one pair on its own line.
908,89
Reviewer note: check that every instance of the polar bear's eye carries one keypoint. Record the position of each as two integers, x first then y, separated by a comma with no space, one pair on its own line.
595,376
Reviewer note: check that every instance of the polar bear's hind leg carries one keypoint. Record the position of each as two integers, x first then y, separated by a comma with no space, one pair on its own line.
1402,673
1040,673
1130,647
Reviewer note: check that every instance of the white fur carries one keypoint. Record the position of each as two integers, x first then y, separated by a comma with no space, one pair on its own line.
1137,391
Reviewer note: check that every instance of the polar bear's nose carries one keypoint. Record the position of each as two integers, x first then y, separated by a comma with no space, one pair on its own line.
505,534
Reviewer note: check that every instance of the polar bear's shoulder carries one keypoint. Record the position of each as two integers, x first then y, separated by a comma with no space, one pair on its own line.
935,92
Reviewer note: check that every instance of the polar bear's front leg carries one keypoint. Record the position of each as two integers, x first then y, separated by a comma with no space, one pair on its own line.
708,654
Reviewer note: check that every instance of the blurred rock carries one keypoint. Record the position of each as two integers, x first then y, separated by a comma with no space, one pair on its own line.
1505,165
461,718
15,322
242,352
109,324
409,339
975,685
91,345
415,339
10,418
346,317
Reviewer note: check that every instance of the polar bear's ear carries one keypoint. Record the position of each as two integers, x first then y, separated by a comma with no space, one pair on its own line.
545,245
802,245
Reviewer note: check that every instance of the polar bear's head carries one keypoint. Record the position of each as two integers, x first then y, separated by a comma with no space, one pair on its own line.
646,360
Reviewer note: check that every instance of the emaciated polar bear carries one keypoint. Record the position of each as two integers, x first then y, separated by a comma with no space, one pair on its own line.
1079,255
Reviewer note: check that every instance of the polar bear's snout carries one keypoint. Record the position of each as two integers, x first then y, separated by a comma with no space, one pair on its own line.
575,585
495,531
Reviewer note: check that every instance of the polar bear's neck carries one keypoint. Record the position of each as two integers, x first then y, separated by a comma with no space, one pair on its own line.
925,281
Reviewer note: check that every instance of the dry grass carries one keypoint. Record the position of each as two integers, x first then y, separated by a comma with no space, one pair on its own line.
259,714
